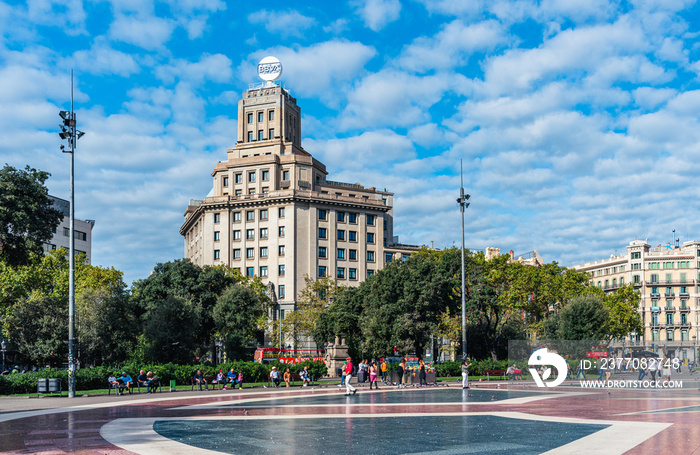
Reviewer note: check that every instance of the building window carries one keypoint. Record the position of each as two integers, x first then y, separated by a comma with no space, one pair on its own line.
341,235
341,273
280,270
388,257
251,191
251,177
237,253
80,236
263,215
321,271
225,181
217,254
654,278
669,335
263,233
340,216
281,290
370,256
250,271
321,214
239,193
271,133
280,250
322,251
340,253
260,116
352,255
250,136
250,117
280,212
636,279
352,236
261,135
265,190
669,318
265,176
250,234
352,218
217,236
352,274
250,253
250,215
322,233
238,178
236,235
271,115
370,220
370,273
370,238
217,218
263,251
66,231
281,231
636,255
285,175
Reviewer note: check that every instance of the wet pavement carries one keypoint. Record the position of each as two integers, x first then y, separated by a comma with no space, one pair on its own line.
494,419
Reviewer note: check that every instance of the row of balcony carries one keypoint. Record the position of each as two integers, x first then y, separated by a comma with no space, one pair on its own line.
666,295
673,325
686,282
671,309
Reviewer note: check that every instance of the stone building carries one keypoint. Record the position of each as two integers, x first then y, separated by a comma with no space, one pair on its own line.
273,213
667,277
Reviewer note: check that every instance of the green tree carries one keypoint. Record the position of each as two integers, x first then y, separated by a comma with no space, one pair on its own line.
27,216
316,296
38,329
624,317
583,318
170,331
237,317
342,319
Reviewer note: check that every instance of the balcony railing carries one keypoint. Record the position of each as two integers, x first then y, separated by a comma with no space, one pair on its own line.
669,309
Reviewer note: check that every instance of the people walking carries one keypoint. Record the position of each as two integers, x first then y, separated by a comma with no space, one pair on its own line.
421,373
465,373
373,376
349,389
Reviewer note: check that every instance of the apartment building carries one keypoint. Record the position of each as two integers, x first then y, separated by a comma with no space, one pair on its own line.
668,278
273,213
61,233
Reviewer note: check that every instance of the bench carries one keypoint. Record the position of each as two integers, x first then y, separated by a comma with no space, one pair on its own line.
294,377
211,380
118,388
156,386
494,373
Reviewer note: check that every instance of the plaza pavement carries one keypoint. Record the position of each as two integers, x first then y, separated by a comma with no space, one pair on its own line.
498,417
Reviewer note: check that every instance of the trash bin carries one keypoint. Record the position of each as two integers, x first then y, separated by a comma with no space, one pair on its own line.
42,386
55,385
172,385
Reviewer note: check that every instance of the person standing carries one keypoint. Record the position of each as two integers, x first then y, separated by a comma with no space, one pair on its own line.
349,389
373,376
287,376
342,377
400,372
383,367
465,373
421,373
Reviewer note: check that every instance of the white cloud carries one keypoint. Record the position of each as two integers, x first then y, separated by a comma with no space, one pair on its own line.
102,59
321,70
452,46
215,68
371,148
393,98
376,14
283,23
150,33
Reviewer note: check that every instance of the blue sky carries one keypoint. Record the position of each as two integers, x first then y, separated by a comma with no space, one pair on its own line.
576,120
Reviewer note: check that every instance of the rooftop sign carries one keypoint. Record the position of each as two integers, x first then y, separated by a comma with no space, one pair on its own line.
269,69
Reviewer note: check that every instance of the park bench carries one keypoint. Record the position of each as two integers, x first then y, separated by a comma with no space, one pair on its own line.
495,373
294,377
118,388
156,385
211,381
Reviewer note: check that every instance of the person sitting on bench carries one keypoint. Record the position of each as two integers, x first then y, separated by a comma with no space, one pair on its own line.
199,380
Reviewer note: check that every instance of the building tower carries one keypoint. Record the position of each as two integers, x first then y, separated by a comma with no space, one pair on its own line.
272,213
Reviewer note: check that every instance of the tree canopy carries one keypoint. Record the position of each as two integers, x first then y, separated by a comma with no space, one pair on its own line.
27,216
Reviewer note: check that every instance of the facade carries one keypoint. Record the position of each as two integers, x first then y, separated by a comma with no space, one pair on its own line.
61,233
273,213
668,278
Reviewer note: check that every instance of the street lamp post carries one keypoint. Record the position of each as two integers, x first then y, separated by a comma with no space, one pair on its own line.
3,346
71,133
463,204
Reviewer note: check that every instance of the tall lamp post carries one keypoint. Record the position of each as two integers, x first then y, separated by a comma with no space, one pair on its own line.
463,204
70,132
3,346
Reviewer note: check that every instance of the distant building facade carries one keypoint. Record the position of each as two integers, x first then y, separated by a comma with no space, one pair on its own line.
273,213
667,277
61,233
